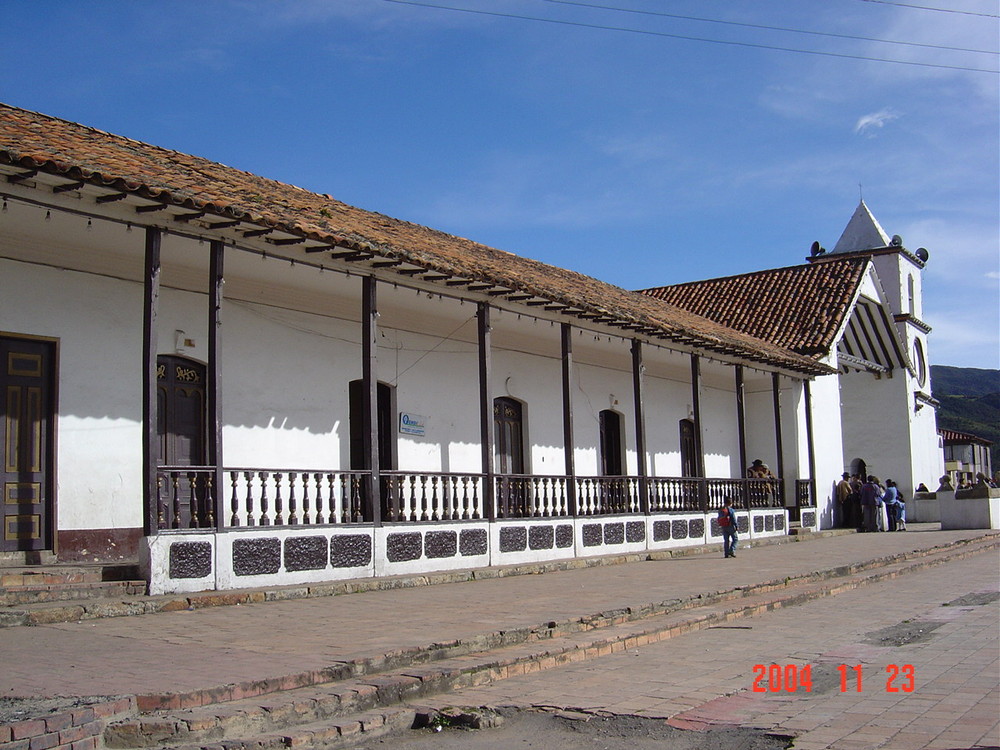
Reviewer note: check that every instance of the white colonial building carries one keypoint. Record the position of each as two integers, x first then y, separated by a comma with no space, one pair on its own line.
241,382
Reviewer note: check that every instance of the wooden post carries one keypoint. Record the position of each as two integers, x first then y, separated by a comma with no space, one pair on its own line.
810,446
741,430
696,408
215,379
776,395
369,378
568,437
486,408
150,343
638,370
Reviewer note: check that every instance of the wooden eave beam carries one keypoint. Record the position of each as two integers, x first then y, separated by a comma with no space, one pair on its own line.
437,277
68,187
225,224
258,232
151,208
410,271
557,308
111,198
289,241
481,287
537,303
319,248
499,292
458,282
189,217
385,263
519,297
26,175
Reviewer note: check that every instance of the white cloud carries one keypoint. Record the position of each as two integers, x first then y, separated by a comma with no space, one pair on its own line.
874,121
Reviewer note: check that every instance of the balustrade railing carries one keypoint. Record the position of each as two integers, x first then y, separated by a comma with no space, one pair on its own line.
187,497
531,496
431,496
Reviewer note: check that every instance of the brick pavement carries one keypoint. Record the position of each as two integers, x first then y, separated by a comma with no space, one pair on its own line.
705,678
201,648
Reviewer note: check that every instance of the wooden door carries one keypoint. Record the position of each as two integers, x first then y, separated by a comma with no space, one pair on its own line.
181,425
612,455
27,378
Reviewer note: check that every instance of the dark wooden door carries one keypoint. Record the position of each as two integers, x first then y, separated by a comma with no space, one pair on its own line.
27,377
180,422
612,458
509,436
689,449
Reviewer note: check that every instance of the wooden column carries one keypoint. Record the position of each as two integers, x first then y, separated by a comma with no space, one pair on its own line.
776,395
369,379
567,397
696,409
150,343
810,446
638,370
741,431
215,379
486,409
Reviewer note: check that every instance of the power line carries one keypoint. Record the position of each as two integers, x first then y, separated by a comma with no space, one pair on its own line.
939,10
766,27
647,32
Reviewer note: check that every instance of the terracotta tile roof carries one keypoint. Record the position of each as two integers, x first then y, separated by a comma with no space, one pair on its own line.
963,437
35,141
799,308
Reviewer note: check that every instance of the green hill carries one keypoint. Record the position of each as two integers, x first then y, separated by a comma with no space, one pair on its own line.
970,402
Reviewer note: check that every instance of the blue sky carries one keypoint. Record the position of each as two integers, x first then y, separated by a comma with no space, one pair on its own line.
638,158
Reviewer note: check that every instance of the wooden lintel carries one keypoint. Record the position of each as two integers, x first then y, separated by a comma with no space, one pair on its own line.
22,175
258,232
69,186
225,224
189,217
150,209
111,198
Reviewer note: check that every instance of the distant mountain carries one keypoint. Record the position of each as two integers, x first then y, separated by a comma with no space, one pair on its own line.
970,402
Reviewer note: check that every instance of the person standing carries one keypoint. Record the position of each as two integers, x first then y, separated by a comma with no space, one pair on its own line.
871,496
891,500
730,527
844,502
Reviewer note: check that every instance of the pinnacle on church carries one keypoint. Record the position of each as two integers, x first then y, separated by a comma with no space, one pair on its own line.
863,232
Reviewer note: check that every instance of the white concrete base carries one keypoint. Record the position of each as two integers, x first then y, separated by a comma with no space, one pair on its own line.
971,512
925,507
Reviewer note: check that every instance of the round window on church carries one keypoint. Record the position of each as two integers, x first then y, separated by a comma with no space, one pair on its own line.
919,363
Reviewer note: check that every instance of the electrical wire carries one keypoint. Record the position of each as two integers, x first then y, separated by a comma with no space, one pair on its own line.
939,10
648,32
766,27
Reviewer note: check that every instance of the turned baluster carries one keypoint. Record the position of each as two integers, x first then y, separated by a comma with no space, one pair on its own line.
248,478
175,481
161,521
305,499
265,519
293,519
234,501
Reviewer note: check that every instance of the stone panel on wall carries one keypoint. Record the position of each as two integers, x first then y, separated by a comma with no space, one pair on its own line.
696,528
614,533
808,519
350,551
661,531
513,538
305,553
564,535
256,557
473,542
679,529
758,523
779,522
593,536
190,559
403,547
439,544
768,523
541,537
635,532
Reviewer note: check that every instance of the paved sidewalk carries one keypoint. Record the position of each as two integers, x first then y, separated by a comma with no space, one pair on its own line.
706,678
203,648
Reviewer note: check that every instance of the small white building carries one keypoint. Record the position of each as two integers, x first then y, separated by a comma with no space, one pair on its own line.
242,382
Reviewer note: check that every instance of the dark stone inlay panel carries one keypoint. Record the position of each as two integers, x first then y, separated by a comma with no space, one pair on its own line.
564,535
190,559
513,539
473,542
679,529
592,535
635,531
350,551
256,557
758,523
768,523
403,547
614,533
661,531
743,524
779,523
441,544
714,529
808,519
305,553
541,537
697,527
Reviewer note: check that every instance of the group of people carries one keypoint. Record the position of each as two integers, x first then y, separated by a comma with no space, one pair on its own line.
861,504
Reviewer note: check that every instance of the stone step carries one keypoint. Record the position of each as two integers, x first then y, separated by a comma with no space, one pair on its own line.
55,575
37,591
315,715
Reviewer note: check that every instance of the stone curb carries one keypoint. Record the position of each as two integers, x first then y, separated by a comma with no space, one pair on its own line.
47,614
384,690
74,729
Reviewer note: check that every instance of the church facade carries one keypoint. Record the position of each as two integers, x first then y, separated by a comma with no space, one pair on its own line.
241,383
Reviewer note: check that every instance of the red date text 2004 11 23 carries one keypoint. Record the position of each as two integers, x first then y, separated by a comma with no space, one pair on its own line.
774,678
